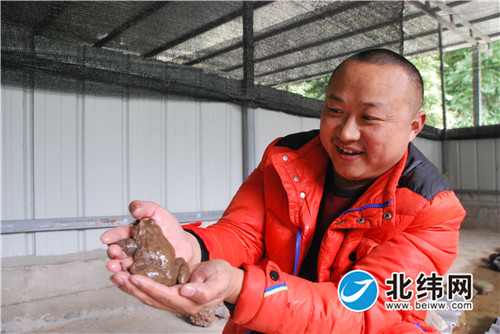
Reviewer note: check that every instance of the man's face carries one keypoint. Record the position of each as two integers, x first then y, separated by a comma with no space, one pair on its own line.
368,119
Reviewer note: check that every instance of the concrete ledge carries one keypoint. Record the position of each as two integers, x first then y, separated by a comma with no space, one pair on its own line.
58,287
481,214
73,294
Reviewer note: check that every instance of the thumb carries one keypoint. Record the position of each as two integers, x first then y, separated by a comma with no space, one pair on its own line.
197,292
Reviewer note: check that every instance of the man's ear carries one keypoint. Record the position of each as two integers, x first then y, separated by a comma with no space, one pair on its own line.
417,124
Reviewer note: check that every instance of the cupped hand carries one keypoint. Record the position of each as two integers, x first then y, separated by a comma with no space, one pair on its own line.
185,244
211,282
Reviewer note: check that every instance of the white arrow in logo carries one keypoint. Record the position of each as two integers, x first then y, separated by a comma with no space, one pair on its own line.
355,296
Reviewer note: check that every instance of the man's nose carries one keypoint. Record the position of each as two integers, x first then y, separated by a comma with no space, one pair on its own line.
348,130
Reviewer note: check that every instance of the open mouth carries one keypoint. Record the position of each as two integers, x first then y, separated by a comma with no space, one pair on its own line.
348,152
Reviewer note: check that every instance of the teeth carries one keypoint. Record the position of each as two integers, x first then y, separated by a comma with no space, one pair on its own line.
348,151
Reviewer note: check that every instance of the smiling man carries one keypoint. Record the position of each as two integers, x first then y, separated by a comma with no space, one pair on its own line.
354,197
371,113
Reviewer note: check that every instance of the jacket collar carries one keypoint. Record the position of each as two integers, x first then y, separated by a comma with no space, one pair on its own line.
375,208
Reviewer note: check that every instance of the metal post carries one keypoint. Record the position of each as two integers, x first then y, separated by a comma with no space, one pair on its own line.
444,142
248,114
476,84
443,84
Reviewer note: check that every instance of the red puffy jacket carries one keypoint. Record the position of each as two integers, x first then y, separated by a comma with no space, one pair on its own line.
407,221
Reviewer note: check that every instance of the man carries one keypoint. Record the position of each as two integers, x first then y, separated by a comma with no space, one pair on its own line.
357,195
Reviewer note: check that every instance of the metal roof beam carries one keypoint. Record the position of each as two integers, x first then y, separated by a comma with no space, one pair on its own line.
452,45
318,43
317,75
321,74
131,22
320,60
209,26
342,55
349,34
458,19
423,34
280,30
300,23
425,8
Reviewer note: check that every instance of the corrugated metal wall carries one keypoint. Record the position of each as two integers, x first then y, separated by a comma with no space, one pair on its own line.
476,166
75,155
71,155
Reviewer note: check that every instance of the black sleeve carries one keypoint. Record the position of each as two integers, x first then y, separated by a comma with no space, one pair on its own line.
204,250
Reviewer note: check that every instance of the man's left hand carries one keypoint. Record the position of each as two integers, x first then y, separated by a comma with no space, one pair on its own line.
211,282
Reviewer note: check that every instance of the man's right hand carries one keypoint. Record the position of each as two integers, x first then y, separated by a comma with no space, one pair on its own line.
185,244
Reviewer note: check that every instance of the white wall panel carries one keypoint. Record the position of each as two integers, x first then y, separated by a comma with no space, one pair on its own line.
453,152
266,130
92,155
474,165
468,164
57,243
16,181
105,164
235,145
147,170
92,239
309,123
19,244
55,155
272,124
431,149
183,156
486,171
217,153
289,124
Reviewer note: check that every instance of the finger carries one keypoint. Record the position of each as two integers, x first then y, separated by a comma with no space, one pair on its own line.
116,252
203,271
115,234
167,298
143,209
116,266
200,293
122,281
167,222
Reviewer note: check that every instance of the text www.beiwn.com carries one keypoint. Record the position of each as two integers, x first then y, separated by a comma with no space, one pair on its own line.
406,306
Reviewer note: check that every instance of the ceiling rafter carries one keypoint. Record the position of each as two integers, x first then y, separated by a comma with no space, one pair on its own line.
323,59
425,8
325,73
408,17
281,29
130,23
209,26
338,56
454,17
55,19
297,24
318,43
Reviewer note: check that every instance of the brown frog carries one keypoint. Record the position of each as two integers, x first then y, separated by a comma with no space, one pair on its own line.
153,254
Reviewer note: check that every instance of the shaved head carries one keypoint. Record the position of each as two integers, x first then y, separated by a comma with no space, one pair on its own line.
388,57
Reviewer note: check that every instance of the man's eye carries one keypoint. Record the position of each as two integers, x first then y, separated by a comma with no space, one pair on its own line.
334,111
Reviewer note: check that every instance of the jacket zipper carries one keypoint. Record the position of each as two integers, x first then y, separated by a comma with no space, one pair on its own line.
297,251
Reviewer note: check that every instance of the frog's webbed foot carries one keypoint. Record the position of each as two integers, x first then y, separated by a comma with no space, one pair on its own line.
128,246
184,273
